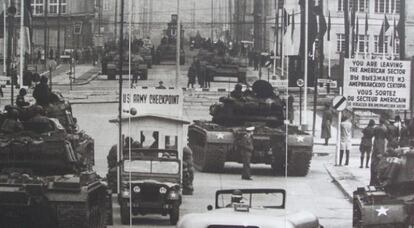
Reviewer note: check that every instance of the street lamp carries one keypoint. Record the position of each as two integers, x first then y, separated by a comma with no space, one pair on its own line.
11,12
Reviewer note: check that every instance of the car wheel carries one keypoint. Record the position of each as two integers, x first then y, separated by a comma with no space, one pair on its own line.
174,214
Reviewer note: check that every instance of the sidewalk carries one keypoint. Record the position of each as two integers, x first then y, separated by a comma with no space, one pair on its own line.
347,178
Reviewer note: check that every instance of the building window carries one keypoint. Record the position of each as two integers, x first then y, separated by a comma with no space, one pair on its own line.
387,6
37,7
54,5
340,42
361,5
380,49
363,44
107,4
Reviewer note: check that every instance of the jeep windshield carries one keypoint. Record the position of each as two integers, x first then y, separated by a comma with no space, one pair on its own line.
252,198
152,166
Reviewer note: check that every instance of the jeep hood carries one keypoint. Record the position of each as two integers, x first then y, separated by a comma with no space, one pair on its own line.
263,218
167,183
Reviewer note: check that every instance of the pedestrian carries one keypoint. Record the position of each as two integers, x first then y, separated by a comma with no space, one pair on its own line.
326,123
345,144
244,144
160,85
51,54
398,125
20,101
378,150
188,171
366,143
208,77
404,135
393,132
134,79
291,111
201,76
191,76
41,92
256,60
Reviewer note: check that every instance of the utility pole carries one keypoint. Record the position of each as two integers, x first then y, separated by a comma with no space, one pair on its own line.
116,20
276,34
346,23
45,30
212,20
306,59
11,12
58,32
177,75
121,62
402,31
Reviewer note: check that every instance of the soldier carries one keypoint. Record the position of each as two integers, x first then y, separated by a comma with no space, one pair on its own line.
192,73
42,92
366,143
11,124
244,144
20,102
291,111
326,123
237,92
380,134
38,123
236,197
160,85
188,171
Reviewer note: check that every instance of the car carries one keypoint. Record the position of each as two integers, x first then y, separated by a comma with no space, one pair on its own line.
150,184
263,207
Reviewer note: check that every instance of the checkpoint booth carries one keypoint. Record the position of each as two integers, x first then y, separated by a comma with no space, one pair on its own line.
154,118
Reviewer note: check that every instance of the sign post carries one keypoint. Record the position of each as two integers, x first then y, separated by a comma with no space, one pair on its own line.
300,84
339,104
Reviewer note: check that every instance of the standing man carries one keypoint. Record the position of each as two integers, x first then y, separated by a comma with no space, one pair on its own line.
326,123
188,171
380,134
366,143
191,76
244,144
291,111
41,92
346,128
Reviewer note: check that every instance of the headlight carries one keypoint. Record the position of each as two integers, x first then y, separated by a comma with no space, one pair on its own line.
137,189
163,190
125,193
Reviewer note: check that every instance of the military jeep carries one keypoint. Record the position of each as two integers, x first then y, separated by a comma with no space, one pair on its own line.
150,184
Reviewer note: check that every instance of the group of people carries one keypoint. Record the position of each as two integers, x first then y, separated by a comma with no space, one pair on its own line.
81,55
376,142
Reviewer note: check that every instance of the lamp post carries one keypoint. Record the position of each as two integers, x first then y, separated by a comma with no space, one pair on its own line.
11,12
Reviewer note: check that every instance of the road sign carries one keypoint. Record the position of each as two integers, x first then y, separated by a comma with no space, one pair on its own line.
339,103
4,80
324,80
377,84
300,82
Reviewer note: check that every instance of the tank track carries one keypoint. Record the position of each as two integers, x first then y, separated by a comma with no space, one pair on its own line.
298,163
211,158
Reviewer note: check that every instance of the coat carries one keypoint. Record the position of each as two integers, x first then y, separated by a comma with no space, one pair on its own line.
326,124
366,140
346,128
380,134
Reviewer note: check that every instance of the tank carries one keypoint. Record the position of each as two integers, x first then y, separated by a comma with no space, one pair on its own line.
46,180
216,64
110,61
212,141
391,202
167,50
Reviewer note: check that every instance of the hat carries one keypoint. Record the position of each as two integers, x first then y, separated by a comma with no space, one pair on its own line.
250,128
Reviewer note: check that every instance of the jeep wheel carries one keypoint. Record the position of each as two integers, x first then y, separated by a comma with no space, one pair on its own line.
125,217
174,214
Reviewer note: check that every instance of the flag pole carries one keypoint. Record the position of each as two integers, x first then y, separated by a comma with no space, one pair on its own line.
4,37
383,39
22,39
282,53
305,98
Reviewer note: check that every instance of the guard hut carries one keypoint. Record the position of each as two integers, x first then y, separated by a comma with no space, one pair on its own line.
154,118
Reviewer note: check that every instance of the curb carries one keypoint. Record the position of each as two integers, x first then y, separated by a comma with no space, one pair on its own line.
339,183
95,75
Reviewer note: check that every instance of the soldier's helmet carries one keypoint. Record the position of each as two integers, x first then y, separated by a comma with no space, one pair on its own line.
43,79
187,151
236,196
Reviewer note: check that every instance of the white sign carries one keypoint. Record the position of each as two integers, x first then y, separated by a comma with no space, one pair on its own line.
300,82
377,84
339,103
4,80
279,83
163,102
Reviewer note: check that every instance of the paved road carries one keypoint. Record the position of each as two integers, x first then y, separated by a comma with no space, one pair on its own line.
315,193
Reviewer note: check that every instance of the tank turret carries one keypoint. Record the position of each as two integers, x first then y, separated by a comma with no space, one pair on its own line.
258,105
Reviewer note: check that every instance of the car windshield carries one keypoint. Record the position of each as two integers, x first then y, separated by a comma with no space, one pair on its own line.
254,200
151,166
